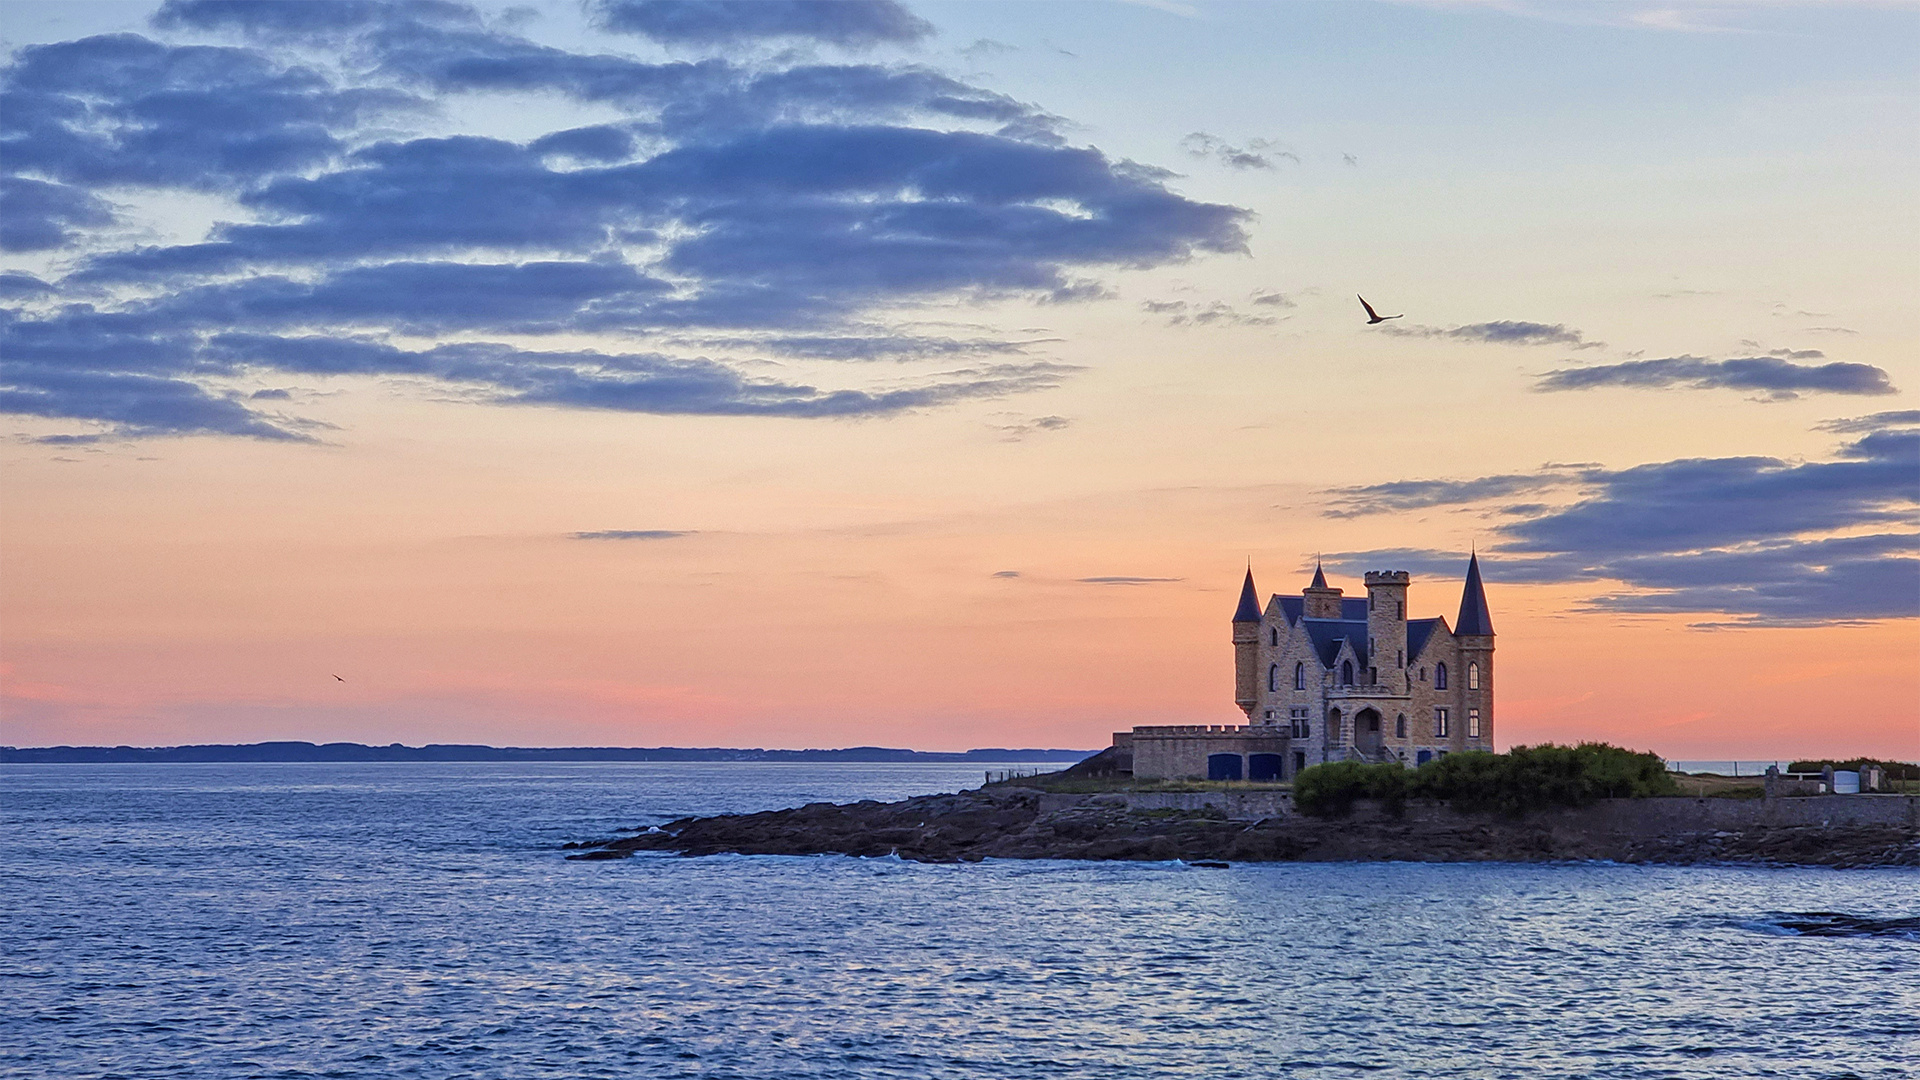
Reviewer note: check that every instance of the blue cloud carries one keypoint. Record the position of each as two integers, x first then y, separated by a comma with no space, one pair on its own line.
1770,541
631,534
17,285
847,23
1416,494
770,206
1777,378
1501,332
132,404
38,216
121,109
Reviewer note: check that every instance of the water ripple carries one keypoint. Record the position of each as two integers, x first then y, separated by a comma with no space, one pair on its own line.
378,921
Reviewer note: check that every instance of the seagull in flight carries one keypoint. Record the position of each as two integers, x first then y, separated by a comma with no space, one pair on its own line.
339,679
1374,316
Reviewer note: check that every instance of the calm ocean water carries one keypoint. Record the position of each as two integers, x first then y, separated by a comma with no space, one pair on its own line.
418,921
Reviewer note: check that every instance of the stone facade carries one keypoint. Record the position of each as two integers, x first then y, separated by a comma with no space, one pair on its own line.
1322,677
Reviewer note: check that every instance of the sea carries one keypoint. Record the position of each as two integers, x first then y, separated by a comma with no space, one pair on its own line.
421,920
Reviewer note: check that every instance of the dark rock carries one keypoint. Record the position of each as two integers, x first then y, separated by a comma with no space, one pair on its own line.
1005,821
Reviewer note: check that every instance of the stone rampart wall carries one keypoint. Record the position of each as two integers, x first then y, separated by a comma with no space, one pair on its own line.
1624,817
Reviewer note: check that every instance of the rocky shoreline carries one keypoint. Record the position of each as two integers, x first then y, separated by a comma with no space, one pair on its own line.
1009,821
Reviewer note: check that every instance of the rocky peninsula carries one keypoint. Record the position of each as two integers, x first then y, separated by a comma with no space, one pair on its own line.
1046,818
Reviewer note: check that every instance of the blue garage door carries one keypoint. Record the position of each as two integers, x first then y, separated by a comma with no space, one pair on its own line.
1263,766
1223,766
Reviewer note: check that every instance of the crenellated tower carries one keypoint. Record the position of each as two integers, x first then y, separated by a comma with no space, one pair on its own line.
1387,627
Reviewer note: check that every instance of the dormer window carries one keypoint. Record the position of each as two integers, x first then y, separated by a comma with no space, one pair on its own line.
1346,673
1439,676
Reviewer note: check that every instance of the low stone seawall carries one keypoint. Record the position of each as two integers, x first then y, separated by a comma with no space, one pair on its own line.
1665,816
1639,817
1236,805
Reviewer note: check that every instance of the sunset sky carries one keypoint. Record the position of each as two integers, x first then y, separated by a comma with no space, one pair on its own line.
788,375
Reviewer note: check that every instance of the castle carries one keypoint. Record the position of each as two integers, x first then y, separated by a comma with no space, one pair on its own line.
1323,677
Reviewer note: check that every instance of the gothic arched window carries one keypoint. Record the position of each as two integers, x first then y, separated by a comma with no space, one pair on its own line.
1473,676
1346,673
1276,635
1273,676
1400,726
1439,676
1300,676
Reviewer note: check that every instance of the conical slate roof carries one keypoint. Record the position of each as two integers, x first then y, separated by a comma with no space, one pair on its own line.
1474,617
1319,578
1249,610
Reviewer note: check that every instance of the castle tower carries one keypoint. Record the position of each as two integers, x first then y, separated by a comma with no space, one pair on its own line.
1387,627
1474,631
1246,648
1320,601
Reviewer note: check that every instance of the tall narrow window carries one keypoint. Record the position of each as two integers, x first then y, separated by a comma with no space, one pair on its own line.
1300,676
1473,722
1346,673
1400,726
1439,676
1273,677
1276,636
1473,676
1400,658
1373,676
1439,723
1399,609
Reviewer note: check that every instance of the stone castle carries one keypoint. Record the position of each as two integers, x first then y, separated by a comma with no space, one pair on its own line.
1324,677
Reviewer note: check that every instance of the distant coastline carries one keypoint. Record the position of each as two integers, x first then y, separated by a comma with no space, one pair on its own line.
348,751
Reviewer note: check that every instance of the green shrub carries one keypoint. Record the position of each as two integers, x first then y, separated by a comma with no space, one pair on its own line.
1523,779
1896,770
1534,777
1329,790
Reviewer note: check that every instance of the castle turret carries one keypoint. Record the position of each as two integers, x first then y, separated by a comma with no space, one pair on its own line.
1246,647
1387,627
1320,602
1474,631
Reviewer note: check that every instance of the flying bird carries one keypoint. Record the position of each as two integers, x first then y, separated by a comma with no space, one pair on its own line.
1372,315
338,677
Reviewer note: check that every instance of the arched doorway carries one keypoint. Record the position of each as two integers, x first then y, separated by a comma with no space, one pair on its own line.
1223,766
1263,766
1366,731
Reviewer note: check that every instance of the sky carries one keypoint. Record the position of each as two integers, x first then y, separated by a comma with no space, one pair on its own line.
648,372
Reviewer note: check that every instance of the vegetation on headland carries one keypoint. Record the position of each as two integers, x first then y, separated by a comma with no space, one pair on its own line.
1895,770
1901,776
1523,779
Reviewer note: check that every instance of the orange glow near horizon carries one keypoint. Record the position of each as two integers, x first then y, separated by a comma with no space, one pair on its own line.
1035,442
